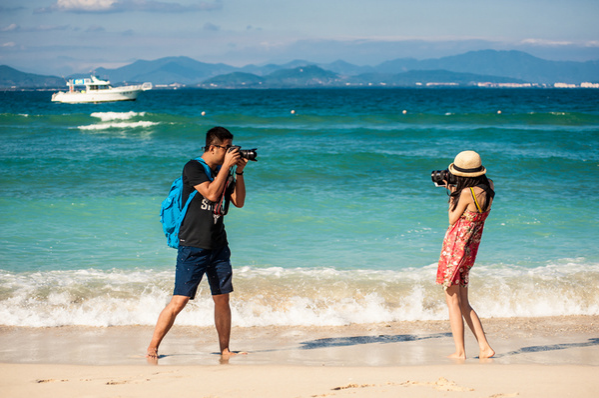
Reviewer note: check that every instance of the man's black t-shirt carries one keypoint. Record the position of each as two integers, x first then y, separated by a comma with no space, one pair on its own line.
201,228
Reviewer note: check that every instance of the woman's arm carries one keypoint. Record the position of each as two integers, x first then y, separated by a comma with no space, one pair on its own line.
465,200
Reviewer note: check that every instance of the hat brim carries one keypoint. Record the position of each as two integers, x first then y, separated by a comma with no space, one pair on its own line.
453,171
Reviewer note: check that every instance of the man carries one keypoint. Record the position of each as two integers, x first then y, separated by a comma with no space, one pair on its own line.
203,247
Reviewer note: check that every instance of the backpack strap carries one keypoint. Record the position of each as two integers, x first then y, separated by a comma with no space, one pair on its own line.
475,201
207,168
193,193
218,208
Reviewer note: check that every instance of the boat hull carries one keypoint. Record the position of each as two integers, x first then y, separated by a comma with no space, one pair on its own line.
125,93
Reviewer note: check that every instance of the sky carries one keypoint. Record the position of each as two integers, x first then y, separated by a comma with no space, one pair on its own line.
59,37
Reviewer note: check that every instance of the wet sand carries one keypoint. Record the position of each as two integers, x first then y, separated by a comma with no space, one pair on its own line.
553,356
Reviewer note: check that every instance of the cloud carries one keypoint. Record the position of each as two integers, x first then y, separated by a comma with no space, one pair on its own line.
114,6
556,43
9,44
95,28
211,27
41,28
543,42
11,28
85,5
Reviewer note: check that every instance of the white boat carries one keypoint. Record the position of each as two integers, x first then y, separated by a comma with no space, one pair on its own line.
97,90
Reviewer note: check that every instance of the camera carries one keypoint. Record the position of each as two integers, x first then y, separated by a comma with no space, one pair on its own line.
439,175
249,154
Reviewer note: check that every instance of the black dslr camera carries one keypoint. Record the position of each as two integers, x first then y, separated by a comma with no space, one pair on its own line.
439,175
249,154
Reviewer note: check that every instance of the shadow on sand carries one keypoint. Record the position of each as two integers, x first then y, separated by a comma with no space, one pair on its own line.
359,340
553,347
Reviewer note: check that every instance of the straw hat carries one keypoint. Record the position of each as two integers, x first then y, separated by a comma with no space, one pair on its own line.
467,164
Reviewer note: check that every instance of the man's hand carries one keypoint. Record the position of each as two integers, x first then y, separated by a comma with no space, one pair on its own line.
231,158
241,164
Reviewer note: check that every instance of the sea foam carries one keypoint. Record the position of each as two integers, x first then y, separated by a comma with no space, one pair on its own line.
295,297
118,120
118,125
108,116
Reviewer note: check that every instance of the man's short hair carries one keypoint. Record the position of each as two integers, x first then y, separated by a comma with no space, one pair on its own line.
216,136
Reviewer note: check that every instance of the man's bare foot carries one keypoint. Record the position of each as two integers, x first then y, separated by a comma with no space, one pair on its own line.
226,354
152,353
152,356
487,353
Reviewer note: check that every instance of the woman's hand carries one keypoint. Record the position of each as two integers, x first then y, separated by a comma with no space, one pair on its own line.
450,187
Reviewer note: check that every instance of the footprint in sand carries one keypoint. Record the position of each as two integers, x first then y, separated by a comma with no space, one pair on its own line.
353,386
442,385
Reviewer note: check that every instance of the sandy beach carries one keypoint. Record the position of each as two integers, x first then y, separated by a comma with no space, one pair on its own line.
536,357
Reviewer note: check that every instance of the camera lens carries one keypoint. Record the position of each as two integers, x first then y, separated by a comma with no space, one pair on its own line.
249,154
437,176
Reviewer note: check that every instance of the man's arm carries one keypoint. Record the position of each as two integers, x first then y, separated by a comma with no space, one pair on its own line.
238,194
213,190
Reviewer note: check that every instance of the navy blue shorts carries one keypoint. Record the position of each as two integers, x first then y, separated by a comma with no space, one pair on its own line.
193,263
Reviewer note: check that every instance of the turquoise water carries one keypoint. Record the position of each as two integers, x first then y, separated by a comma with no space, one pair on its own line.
342,223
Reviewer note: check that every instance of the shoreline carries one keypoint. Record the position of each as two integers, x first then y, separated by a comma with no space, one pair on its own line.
536,357
560,340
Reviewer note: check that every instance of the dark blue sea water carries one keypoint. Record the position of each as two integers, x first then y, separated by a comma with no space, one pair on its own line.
341,225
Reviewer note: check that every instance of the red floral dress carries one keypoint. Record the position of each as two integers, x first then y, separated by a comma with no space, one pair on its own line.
460,246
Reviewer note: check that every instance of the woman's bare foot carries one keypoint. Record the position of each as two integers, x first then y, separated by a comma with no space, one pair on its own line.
456,355
486,353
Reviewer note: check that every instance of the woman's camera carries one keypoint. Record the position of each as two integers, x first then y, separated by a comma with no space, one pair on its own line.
249,154
439,175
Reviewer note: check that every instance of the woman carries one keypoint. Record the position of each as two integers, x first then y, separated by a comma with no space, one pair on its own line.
469,205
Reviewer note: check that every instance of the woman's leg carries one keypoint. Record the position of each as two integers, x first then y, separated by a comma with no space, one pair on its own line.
453,297
474,324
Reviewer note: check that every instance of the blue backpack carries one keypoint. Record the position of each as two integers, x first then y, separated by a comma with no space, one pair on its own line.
172,211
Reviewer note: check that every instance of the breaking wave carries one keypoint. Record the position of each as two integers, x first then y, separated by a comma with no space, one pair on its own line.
295,297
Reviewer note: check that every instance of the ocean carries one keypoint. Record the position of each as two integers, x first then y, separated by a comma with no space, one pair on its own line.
342,223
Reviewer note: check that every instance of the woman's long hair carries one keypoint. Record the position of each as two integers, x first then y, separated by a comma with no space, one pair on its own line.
470,182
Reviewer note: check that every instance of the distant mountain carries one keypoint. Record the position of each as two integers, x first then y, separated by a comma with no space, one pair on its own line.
10,77
346,69
303,76
340,67
515,64
476,66
313,76
235,79
427,77
183,70
270,68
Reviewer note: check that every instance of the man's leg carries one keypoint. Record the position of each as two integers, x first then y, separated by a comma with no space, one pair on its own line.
165,322
222,320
